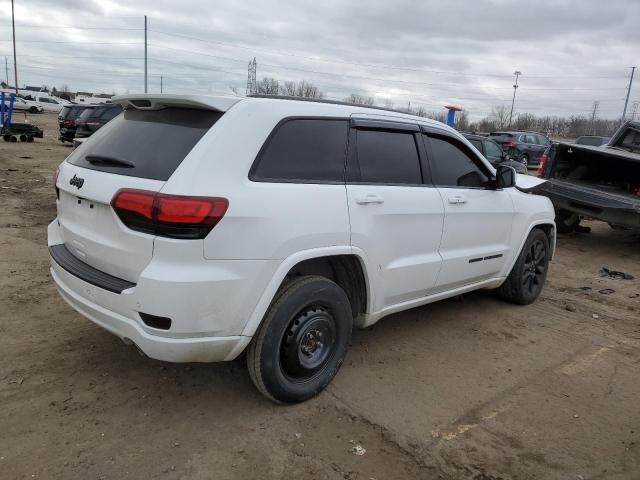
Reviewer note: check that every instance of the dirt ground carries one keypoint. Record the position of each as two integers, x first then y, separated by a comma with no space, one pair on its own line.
472,389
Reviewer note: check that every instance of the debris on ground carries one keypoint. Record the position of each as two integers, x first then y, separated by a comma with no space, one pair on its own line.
605,272
606,291
595,316
569,307
358,450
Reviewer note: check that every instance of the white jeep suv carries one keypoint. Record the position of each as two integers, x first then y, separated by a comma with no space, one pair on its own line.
197,227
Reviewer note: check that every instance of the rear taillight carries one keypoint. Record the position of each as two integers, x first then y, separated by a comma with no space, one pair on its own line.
92,124
173,216
68,123
55,181
512,143
543,164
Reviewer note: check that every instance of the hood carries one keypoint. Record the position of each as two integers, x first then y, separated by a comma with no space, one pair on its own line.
526,183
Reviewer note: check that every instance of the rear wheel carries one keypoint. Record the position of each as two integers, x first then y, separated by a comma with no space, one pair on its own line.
33,110
524,159
302,340
524,283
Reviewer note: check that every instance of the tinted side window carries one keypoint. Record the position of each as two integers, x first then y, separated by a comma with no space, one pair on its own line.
305,149
477,144
388,157
492,151
454,164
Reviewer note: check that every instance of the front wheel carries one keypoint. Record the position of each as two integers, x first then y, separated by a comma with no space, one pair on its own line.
524,283
33,110
302,340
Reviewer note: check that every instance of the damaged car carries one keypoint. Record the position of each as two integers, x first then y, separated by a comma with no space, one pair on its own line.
601,182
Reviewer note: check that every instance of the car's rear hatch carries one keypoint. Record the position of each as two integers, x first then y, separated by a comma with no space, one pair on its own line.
139,149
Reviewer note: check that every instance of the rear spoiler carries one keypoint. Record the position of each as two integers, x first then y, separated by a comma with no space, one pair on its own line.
151,101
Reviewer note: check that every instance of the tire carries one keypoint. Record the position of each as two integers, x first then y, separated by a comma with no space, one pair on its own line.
524,159
286,360
525,282
566,221
33,110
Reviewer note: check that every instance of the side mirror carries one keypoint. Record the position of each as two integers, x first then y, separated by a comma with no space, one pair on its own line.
505,176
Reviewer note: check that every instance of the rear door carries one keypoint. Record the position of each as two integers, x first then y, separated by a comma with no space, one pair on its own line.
140,150
477,221
396,214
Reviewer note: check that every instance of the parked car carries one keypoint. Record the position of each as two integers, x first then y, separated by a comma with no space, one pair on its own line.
94,117
197,227
47,103
601,182
67,121
526,147
593,140
20,104
493,152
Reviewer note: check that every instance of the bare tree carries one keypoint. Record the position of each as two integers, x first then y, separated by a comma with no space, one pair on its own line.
268,86
500,116
462,121
307,90
359,99
289,89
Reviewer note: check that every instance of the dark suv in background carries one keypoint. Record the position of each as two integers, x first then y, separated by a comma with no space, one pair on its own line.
493,152
526,147
92,119
67,121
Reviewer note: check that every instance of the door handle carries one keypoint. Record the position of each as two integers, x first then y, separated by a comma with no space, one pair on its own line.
457,199
369,199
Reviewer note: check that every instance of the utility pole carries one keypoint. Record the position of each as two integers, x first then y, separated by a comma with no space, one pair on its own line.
517,73
626,102
594,114
6,68
160,83
15,63
145,54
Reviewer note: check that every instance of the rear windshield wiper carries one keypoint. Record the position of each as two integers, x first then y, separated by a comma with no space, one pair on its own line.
115,162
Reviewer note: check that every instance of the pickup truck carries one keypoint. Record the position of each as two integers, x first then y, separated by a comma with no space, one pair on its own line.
597,182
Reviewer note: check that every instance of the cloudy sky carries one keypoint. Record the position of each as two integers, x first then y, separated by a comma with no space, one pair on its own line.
427,52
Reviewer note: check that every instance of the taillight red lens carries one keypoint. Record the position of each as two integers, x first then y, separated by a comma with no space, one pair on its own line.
172,216
134,201
543,163
68,123
512,144
55,181
191,210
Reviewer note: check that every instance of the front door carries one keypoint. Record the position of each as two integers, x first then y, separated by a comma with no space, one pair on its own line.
477,223
396,216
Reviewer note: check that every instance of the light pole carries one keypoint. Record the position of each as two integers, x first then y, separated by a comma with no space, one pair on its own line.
15,63
517,73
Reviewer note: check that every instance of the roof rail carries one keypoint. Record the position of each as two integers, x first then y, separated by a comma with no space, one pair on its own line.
332,102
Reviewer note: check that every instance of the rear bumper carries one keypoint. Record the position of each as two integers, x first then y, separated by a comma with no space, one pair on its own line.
208,301
609,207
169,349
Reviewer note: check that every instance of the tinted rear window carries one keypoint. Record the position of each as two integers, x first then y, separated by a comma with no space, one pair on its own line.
311,150
64,112
388,157
593,141
501,137
84,114
154,141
